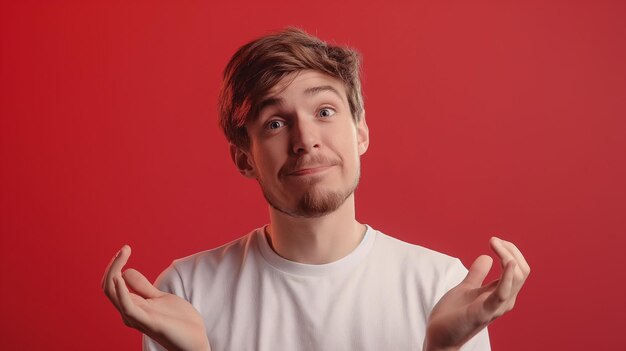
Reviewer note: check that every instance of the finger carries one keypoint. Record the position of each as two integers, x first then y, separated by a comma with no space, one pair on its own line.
117,262
478,271
115,269
140,284
491,286
130,312
519,258
522,269
503,291
504,254
106,271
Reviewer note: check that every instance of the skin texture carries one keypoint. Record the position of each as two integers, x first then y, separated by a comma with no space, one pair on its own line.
305,150
305,154
470,306
166,318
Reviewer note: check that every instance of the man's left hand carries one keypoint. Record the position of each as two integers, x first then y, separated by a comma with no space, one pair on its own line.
469,307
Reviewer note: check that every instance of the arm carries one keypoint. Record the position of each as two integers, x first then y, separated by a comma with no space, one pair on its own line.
171,321
469,307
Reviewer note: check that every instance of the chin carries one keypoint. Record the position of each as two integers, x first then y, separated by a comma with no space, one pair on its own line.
316,201
312,204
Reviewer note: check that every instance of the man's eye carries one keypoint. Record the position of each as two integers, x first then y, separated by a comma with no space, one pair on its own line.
275,124
326,112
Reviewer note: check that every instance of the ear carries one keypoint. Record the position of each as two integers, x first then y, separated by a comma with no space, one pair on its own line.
243,161
362,135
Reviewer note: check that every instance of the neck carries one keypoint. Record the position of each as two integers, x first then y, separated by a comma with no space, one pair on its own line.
316,240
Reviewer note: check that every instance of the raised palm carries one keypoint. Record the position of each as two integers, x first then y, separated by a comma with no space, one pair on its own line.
469,307
168,319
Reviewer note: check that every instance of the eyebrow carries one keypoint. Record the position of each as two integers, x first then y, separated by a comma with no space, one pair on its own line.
273,101
316,90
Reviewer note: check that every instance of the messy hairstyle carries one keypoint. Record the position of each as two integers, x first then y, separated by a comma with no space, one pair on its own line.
259,65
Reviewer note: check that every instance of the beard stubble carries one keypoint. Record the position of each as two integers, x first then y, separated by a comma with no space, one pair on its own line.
314,202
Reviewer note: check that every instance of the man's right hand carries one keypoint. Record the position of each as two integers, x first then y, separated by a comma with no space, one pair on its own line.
169,320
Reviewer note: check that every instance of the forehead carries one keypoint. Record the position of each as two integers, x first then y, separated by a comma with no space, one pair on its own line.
301,79
302,83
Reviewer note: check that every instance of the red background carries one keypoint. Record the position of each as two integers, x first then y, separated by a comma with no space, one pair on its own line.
486,117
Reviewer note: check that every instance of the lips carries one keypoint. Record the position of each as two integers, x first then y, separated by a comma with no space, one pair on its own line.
309,170
309,164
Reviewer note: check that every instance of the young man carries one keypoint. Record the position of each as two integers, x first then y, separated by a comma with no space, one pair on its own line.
314,278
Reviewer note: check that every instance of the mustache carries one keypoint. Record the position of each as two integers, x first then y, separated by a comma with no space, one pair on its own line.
307,162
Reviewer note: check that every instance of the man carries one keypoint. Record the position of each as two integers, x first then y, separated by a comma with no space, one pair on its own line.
314,278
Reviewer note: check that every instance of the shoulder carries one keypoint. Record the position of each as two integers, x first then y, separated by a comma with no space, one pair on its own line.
416,259
229,252
386,244
209,263
422,274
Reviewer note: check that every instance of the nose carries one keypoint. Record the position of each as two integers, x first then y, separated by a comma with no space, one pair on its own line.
305,136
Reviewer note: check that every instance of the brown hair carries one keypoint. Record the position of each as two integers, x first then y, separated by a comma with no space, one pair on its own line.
259,65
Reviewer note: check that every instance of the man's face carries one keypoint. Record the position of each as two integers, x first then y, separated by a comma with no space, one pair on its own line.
304,145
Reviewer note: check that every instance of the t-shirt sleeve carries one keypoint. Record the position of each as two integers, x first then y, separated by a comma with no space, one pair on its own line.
171,282
480,342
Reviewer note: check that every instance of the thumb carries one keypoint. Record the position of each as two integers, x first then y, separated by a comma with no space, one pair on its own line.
478,271
140,285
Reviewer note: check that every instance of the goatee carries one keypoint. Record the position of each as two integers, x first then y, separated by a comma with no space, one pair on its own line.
314,202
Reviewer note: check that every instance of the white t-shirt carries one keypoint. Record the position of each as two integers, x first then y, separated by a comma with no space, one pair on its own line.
378,297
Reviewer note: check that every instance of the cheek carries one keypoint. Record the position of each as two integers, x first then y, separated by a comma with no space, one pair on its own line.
350,156
267,163
350,148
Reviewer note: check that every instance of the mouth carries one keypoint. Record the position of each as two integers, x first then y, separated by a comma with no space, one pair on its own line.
309,170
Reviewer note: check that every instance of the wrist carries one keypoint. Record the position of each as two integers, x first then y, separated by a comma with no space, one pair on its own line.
429,347
426,348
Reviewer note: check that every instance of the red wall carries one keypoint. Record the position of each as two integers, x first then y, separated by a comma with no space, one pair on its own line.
486,118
